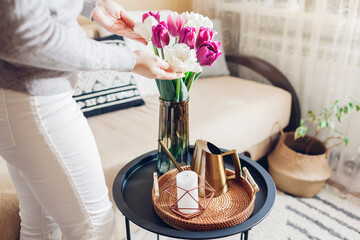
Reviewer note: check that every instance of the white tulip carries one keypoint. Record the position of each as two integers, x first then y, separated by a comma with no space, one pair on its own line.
182,58
197,20
145,29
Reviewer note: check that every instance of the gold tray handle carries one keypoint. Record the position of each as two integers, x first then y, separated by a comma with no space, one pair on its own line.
156,185
251,180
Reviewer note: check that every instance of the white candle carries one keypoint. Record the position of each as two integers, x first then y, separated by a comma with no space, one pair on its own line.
187,180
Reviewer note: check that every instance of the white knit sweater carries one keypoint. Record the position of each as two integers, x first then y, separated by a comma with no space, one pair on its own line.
42,46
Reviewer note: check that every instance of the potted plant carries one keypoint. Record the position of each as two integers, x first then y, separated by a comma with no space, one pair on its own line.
298,164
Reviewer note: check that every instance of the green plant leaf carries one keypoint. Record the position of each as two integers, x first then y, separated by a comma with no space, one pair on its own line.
334,105
167,89
330,123
339,118
357,108
322,124
184,94
346,140
346,109
300,132
351,105
312,115
177,94
157,81
186,78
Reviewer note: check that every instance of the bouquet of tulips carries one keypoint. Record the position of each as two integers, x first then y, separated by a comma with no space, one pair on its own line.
185,41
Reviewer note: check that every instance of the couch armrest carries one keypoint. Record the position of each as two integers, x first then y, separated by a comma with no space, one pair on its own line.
275,77
9,216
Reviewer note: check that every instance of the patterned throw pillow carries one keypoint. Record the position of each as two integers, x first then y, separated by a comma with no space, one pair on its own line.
105,91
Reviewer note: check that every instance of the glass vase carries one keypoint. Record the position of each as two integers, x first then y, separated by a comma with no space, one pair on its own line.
174,133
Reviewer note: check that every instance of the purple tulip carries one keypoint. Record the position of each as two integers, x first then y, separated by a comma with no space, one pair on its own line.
208,52
161,36
205,35
155,15
188,36
175,23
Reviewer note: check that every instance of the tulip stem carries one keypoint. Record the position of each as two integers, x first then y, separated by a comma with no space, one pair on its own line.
162,53
177,96
155,50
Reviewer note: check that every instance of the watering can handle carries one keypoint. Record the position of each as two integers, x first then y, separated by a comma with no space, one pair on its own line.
168,153
237,164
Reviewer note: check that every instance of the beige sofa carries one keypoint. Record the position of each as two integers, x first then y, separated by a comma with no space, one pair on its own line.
230,112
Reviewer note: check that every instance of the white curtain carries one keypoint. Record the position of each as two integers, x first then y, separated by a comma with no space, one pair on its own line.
315,43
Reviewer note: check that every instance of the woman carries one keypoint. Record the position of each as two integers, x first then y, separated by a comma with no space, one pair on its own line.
49,148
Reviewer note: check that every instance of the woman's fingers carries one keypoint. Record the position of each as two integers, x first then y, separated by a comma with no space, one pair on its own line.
167,71
164,75
162,64
141,40
132,35
128,21
151,66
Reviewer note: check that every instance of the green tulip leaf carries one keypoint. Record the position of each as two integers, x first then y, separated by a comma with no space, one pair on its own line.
167,90
183,92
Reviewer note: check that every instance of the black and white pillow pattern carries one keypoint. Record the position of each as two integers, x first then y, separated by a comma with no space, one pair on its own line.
105,91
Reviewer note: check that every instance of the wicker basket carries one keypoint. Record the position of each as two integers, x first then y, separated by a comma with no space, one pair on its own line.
226,210
303,175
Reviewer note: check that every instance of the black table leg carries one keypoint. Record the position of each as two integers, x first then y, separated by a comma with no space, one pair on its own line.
246,235
158,236
128,234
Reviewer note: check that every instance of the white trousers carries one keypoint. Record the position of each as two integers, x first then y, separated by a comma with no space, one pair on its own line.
55,167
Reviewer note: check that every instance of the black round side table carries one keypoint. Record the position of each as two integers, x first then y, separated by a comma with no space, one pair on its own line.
132,195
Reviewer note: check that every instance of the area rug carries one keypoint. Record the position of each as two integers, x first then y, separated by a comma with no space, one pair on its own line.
329,215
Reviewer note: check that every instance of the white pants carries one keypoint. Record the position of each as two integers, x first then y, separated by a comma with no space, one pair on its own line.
55,166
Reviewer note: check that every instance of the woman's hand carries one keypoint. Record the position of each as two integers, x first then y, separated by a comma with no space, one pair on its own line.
151,66
113,18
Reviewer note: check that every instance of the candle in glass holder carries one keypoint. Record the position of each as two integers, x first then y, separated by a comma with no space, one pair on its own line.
185,181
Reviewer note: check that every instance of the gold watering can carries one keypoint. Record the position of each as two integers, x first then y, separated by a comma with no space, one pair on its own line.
208,162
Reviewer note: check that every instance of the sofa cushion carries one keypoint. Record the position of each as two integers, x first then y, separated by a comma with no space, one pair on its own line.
105,91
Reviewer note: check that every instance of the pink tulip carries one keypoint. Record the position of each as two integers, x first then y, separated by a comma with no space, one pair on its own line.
155,15
208,52
161,36
188,36
205,35
175,23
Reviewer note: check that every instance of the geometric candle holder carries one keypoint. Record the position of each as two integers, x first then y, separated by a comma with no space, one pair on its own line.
206,194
